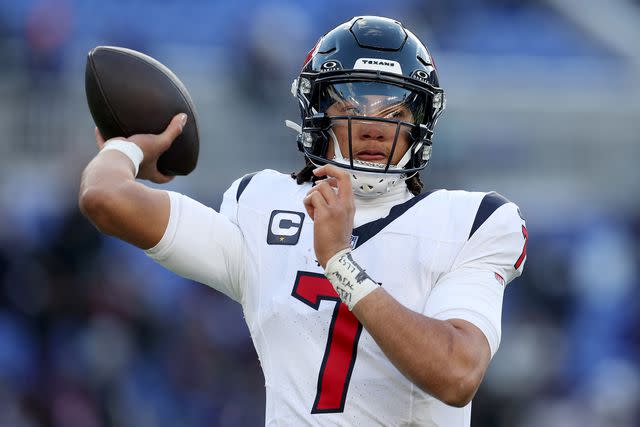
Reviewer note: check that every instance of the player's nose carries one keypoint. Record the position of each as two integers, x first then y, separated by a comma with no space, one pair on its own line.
377,131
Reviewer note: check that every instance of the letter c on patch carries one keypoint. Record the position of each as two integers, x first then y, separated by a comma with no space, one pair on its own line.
285,224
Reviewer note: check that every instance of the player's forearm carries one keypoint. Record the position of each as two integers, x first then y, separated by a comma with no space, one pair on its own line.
103,180
111,198
435,355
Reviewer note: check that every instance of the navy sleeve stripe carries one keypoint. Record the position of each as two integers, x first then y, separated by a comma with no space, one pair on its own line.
243,184
490,202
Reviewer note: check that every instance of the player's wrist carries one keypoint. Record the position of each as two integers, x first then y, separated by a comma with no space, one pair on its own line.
350,281
129,149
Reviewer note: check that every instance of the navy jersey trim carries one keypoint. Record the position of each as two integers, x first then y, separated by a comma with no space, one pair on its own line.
243,184
370,229
490,202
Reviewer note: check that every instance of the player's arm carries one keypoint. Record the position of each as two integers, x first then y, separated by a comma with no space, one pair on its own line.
116,203
445,358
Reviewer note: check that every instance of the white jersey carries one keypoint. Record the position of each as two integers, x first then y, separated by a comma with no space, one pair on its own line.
445,254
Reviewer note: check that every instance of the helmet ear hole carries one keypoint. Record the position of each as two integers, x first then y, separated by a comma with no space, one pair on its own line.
420,156
315,139
420,133
320,144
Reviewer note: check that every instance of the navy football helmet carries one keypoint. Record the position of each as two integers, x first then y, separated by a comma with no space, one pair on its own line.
369,58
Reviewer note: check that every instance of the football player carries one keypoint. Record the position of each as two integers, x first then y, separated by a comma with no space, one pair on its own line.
369,301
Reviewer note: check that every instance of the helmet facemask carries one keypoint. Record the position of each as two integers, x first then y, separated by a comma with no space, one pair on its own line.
374,128
371,124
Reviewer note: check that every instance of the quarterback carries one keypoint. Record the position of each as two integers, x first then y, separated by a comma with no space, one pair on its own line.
369,300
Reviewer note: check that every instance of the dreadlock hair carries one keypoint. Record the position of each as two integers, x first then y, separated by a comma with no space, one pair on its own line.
414,184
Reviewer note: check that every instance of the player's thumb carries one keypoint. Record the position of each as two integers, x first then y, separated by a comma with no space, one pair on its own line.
174,129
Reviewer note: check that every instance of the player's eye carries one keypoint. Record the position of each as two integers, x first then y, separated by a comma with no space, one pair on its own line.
348,109
402,114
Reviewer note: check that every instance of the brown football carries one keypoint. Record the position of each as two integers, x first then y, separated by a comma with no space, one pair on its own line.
130,93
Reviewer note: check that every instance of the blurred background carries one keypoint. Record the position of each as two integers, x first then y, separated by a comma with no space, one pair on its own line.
543,107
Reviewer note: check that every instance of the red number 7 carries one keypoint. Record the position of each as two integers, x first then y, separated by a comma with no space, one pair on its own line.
523,255
342,344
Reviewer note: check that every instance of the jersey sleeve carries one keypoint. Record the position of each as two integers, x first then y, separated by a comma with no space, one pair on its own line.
229,206
493,256
203,245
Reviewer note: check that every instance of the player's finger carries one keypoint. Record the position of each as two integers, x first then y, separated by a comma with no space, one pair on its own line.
333,171
313,201
327,191
309,208
342,177
311,191
327,198
174,129
99,138
333,182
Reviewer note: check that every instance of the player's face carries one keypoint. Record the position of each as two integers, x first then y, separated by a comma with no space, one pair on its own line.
371,141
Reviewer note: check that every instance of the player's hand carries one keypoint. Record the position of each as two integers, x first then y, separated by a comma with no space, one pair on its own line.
330,205
152,147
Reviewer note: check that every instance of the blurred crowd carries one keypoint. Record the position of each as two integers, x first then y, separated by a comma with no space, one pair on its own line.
92,333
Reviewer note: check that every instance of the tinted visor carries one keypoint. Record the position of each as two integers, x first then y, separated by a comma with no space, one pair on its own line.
372,99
